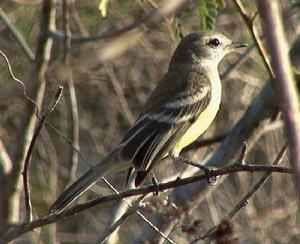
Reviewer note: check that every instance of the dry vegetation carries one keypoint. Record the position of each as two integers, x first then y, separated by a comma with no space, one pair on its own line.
105,84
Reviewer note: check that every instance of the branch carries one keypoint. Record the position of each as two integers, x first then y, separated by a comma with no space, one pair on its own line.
116,225
74,125
19,81
249,21
5,161
17,35
165,9
243,202
120,94
285,84
28,208
37,76
13,233
128,205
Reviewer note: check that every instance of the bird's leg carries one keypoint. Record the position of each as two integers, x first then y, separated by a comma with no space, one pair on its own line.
212,180
155,182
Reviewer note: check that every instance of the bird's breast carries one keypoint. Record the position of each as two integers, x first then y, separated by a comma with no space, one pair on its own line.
203,121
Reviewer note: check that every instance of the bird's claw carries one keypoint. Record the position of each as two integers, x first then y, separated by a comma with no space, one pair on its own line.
156,184
211,179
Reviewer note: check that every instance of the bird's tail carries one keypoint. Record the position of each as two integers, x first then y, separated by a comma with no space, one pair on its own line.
110,164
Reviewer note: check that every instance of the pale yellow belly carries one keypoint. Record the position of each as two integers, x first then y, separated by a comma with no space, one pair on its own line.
203,121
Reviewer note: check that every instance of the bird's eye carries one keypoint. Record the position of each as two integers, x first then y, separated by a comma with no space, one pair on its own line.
214,42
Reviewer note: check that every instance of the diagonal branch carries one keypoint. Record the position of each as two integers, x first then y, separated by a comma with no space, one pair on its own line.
114,227
243,202
17,35
249,21
28,208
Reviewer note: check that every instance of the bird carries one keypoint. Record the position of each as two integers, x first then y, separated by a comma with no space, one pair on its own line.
180,108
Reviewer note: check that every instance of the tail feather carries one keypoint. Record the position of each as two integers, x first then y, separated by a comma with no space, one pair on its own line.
109,164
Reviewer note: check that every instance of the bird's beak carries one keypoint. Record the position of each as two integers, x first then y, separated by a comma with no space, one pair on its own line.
236,45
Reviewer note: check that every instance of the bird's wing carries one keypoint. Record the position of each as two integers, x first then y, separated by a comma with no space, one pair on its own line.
169,112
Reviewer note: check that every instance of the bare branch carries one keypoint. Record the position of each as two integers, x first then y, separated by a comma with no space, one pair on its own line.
5,160
285,84
243,152
28,217
118,89
17,35
243,202
249,21
131,207
74,125
19,81
15,232
37,76
165,9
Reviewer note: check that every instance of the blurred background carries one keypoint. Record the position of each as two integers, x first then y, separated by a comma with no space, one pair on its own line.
107,75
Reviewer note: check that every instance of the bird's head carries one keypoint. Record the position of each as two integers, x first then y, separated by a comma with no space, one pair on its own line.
204,48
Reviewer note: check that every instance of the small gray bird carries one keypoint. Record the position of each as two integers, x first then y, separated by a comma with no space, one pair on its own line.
178,111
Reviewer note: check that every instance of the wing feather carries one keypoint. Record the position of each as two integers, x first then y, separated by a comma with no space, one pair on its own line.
164,122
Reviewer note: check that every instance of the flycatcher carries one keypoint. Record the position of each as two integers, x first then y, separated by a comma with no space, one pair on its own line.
178,111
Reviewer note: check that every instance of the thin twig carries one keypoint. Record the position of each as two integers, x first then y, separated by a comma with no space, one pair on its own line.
37,75
77,20
249,21
71,88
123,101
138,212
17,35
165,9
19,81
240,59
55,130
155,228
243,202
5,162
15,232
66,29
76,149
242,155
133,209
28,208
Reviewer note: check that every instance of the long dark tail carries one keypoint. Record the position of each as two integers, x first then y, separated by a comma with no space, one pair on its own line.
110,164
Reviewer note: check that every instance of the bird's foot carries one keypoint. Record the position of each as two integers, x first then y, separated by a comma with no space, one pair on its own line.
156,184
212,180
